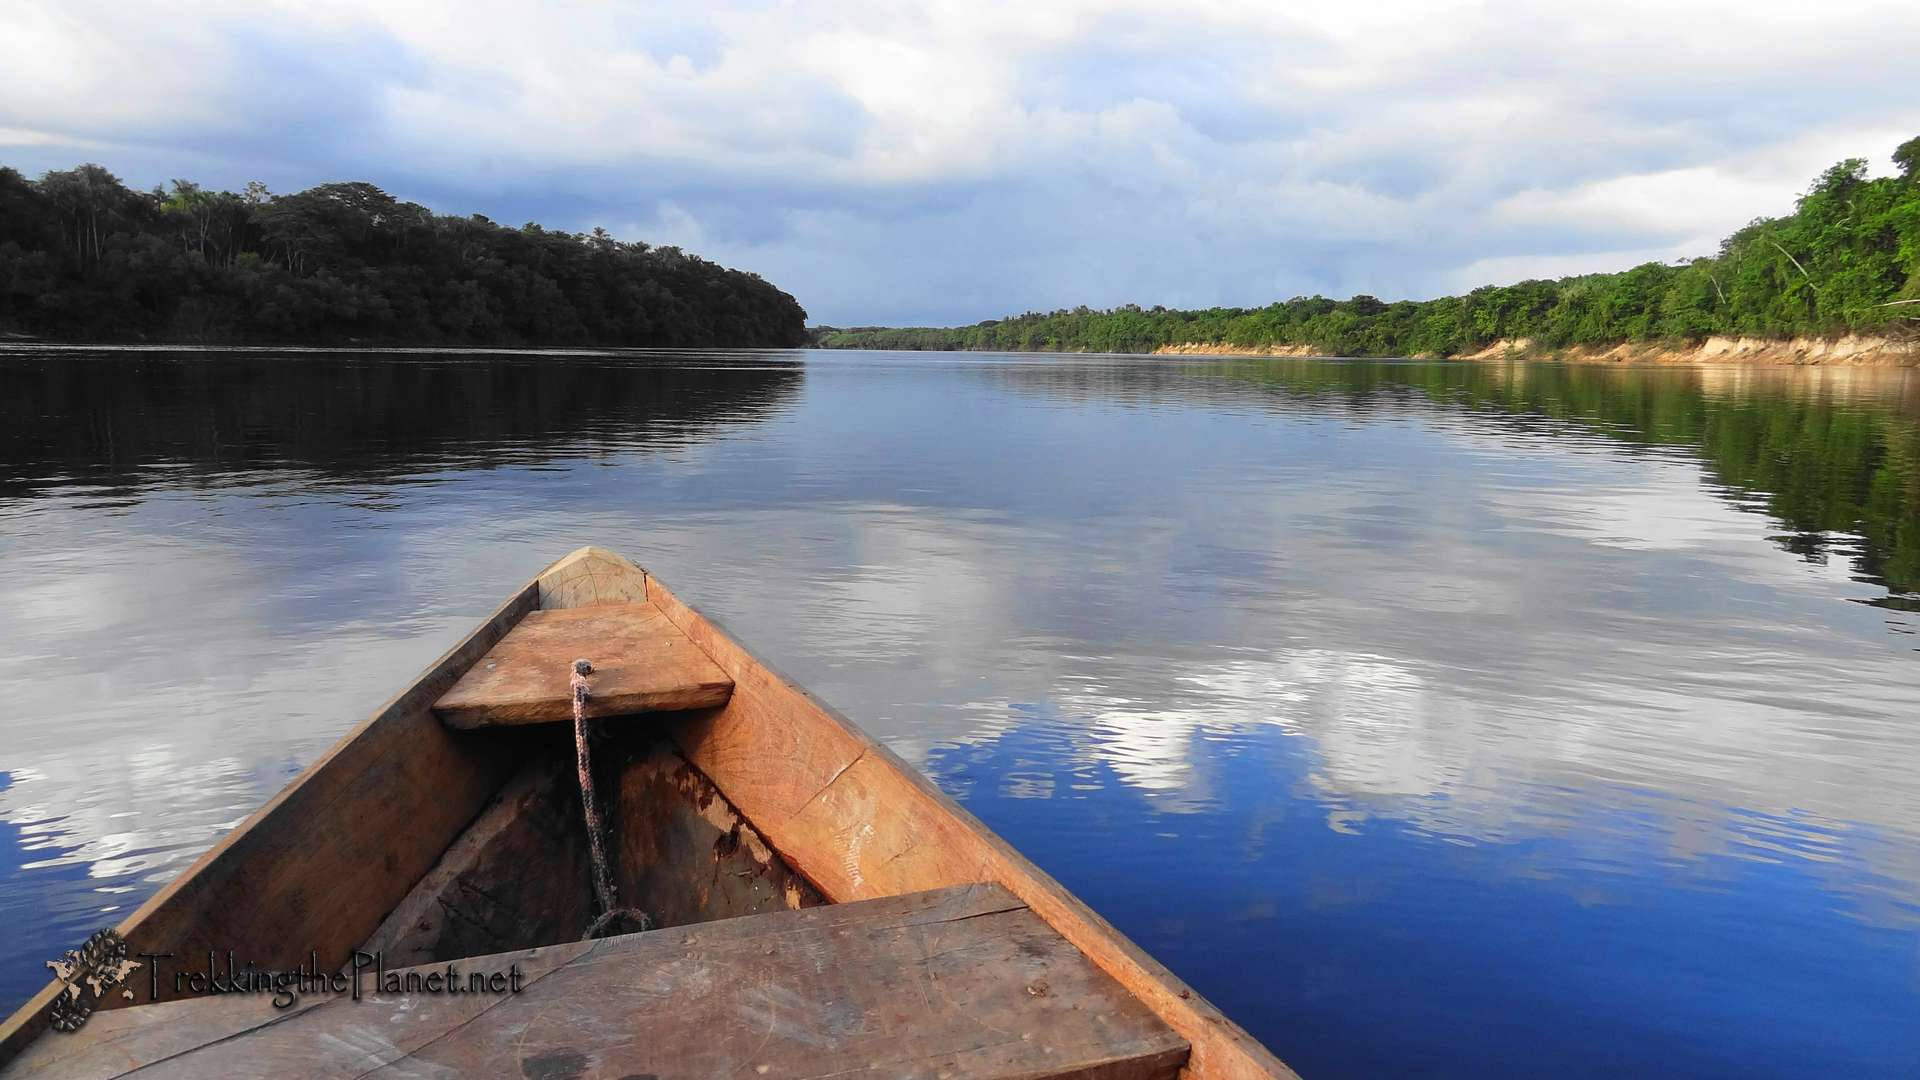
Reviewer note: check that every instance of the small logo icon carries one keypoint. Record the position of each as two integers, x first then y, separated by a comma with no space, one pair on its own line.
87,974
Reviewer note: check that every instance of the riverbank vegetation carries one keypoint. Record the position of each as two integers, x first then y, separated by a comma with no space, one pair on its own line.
83,257
1847,260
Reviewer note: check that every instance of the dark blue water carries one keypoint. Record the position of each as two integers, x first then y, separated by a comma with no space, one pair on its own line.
1426,717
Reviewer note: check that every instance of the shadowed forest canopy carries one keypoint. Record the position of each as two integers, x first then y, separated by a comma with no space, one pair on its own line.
84,257
1847,260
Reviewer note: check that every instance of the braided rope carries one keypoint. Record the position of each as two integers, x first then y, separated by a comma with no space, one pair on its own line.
610,915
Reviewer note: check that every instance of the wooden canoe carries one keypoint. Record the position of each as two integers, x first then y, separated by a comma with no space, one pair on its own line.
819,907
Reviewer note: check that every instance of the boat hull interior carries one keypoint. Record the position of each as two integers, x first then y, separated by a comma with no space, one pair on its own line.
520,876
743,819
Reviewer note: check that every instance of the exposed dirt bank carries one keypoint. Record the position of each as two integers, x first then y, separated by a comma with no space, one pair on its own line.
1201,348
1852,350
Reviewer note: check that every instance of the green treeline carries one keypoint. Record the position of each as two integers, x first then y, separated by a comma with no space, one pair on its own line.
1841,262
84,257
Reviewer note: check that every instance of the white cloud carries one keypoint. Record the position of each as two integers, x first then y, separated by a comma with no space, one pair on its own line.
951,161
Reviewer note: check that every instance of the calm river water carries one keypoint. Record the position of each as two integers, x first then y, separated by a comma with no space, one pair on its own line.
1428,717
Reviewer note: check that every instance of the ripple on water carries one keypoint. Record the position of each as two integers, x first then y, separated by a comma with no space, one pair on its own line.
1478,701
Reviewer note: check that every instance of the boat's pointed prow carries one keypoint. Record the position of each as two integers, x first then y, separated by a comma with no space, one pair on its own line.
769,841
591,575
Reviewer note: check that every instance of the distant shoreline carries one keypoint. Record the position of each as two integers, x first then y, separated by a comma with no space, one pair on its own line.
1832,282
1852,350
347,263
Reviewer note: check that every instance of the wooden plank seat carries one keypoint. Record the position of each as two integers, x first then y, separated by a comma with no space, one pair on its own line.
962,981
431,843
641,663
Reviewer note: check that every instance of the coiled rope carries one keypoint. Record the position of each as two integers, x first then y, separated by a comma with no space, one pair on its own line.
610,915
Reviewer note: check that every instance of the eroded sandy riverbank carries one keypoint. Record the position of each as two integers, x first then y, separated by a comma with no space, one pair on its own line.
1201,348
1850,351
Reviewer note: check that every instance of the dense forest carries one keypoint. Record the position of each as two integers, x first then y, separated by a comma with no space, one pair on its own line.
83,257
1846,260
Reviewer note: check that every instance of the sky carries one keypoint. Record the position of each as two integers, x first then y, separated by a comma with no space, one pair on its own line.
941,163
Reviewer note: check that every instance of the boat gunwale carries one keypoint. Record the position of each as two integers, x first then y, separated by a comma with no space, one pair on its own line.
30,1020
1220,1047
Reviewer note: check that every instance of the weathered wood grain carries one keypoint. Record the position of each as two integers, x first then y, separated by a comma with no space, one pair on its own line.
641,663
591,576
772,743
323,863
857,821
517,878
683,855
962,982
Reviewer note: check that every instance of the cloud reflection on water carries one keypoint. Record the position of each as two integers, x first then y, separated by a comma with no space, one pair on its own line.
1116,580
